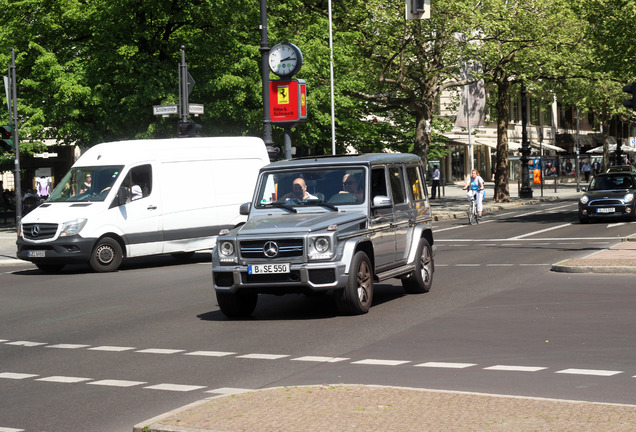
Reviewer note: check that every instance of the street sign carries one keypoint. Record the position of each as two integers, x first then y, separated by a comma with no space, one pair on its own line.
195,109
165,110
191,83
288,102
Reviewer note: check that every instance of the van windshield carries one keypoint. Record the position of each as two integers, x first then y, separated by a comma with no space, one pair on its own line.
86,184
306,187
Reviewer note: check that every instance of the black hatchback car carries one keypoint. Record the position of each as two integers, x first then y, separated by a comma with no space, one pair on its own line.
610,195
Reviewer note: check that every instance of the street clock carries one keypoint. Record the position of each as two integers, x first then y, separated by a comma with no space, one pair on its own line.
285,59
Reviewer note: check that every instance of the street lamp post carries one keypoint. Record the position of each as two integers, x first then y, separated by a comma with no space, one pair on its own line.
526,190
264,49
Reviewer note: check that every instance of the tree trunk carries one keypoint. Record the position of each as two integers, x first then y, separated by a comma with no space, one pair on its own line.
422,136
502,194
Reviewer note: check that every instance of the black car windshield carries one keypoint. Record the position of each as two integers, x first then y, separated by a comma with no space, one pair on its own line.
86,184
612,181
312,187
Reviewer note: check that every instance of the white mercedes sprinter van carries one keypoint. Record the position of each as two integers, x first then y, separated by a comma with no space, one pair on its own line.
142,197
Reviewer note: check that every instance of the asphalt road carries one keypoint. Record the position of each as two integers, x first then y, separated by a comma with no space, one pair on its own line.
102,352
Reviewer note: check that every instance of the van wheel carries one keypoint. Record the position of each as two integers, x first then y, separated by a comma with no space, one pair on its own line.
237,305
49,268
421,279
356,297
106,256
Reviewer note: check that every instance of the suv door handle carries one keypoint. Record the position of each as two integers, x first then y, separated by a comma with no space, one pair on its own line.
152,207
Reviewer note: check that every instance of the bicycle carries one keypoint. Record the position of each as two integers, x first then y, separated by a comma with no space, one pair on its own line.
473,217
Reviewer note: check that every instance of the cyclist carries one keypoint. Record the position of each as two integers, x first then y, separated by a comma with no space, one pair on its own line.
475,187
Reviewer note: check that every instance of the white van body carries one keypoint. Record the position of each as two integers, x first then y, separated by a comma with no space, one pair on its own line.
185,191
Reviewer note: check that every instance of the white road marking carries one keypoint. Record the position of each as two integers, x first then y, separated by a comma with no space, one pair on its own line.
159,351
615,224
116,383
381,362
174,387
515,368
320,359
229,390
210,353
499,265
26,343
595,372
64,379
67,346
263,356
16,376
5,429
111,348
531,265
467,265
445,365
4,340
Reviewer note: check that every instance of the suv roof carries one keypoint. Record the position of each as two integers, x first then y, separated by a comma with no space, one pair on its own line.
366,159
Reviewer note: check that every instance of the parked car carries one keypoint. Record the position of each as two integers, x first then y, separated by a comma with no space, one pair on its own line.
323,224
621,168
610,195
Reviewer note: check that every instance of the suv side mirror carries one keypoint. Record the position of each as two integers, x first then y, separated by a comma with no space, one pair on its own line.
245,208
583,188
381,201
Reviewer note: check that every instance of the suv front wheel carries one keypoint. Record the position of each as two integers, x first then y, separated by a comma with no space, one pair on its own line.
421,279
356,297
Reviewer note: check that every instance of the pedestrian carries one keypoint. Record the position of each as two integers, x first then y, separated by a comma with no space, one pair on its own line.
435,190
596,167
586,168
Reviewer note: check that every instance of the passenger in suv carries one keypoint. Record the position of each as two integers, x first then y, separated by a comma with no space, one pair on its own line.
339,240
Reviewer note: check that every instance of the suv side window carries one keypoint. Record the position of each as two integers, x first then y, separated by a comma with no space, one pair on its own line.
415,182
397,184
378,182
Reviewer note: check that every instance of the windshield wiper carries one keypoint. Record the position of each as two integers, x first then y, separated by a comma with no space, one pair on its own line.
321,203
282,205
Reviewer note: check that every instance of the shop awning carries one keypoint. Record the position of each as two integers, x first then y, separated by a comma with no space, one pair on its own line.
612,148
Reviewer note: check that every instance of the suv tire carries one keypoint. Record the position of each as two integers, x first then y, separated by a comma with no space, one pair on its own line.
356,297
237,305
421,279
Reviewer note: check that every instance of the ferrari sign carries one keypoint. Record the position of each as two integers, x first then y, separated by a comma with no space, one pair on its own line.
288,101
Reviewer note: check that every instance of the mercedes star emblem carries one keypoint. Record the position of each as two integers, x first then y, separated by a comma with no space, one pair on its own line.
270,249
35,231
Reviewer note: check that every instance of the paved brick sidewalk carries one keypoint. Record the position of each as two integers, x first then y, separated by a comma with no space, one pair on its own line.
345,408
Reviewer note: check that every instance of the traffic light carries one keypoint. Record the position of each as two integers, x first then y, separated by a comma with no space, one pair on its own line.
6,141
631,89
418,6
188,129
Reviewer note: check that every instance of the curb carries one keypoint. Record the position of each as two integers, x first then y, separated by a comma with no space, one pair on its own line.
564,268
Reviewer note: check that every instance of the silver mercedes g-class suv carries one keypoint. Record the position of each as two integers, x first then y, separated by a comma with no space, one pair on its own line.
333,223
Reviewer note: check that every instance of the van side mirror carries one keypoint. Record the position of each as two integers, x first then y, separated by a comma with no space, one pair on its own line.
381,201
245,209
583,188
121,198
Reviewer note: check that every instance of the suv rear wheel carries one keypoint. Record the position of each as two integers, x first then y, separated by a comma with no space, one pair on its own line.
356,297
421,279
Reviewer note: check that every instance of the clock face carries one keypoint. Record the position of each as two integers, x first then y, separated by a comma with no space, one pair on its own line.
285,59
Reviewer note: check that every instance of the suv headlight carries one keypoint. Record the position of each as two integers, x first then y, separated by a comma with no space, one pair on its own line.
226,251
73,227
629,197
321,247
584,199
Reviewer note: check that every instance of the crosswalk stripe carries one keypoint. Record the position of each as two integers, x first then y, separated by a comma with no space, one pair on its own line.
159,351
210,353
263,356
111,348
381,362
320,359
515,368
16,376
445,365
117,383
67,346
63,379
595,372
26,343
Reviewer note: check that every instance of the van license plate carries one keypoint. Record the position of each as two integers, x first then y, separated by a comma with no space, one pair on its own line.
606,210
268,268
35,254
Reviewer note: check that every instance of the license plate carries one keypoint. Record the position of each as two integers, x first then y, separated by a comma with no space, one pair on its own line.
35,254
268,268
606,210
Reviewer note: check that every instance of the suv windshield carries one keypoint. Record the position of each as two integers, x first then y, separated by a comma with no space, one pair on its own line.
86,184
612,181
339,185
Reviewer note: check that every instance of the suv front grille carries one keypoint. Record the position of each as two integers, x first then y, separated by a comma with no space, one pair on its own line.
286,248
39,231
605,202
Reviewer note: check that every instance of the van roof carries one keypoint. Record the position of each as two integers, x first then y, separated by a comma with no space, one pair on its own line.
173,149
